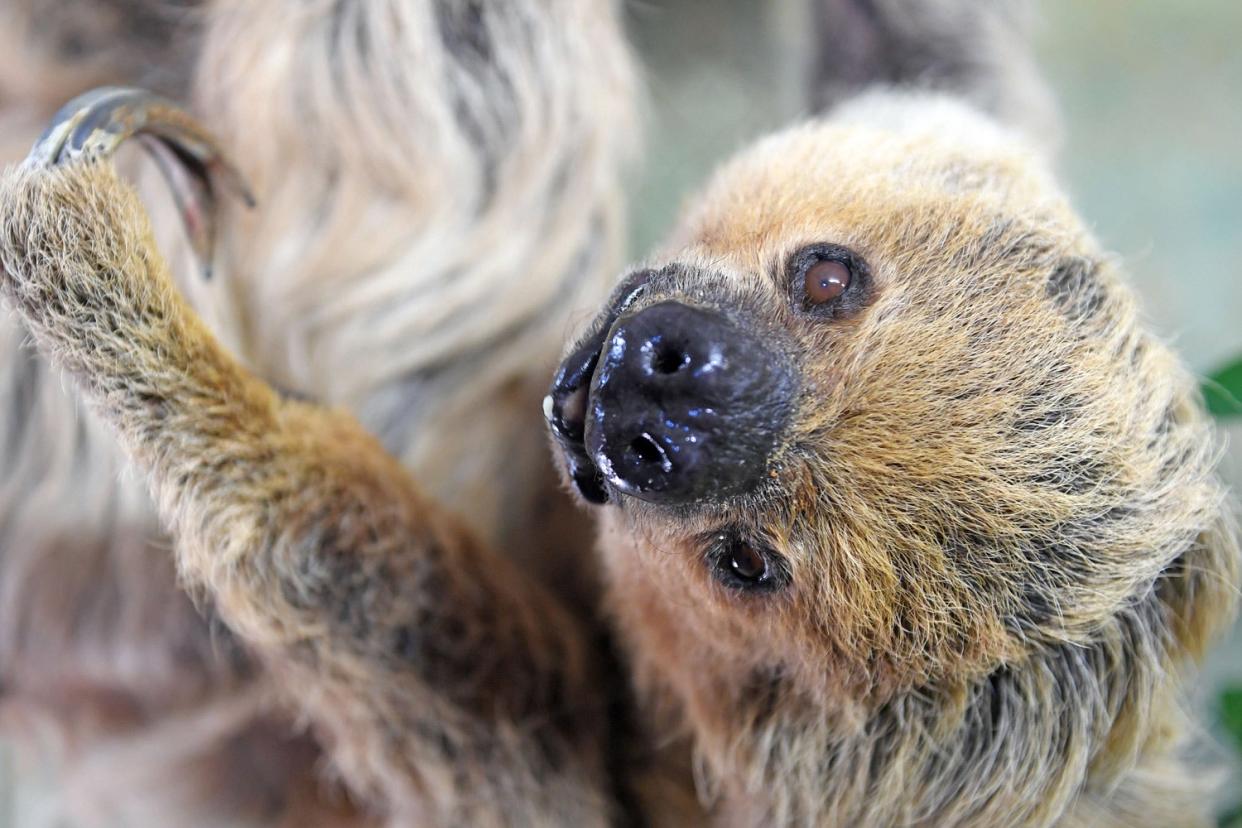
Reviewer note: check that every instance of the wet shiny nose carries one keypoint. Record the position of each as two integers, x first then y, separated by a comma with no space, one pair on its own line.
685,405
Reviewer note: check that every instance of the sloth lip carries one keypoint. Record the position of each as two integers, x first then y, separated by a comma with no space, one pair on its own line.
567,408
587,476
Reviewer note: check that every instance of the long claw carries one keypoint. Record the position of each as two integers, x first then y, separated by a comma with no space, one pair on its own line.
94,124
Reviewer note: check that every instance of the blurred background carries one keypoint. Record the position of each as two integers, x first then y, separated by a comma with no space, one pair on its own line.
1151,97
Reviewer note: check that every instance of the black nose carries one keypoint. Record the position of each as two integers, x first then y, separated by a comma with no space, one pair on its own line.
685,405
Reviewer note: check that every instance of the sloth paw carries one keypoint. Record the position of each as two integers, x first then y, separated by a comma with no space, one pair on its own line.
92,126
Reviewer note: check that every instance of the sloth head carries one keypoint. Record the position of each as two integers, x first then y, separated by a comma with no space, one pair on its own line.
879,418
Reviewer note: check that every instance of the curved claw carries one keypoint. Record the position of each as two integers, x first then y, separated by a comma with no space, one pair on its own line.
94,124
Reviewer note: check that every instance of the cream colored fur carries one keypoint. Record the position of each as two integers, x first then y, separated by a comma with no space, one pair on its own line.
381,273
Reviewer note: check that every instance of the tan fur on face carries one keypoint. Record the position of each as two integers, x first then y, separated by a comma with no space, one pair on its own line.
997,502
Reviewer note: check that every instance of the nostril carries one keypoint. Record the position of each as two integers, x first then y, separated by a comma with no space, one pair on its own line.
647,451
573,410
666,358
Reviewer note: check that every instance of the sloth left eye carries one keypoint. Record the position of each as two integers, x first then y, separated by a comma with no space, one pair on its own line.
828,280
745,566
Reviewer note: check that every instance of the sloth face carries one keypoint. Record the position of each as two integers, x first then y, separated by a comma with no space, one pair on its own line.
877,417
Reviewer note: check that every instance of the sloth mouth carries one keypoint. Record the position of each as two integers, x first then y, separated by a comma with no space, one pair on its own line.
568,430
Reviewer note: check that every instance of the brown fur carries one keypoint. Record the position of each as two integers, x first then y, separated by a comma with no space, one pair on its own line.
424,181
361,592
997,504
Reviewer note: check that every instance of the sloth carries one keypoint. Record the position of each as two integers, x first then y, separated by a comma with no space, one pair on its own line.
903,516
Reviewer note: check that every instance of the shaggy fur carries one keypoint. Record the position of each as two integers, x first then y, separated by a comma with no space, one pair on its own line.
436,202
997,507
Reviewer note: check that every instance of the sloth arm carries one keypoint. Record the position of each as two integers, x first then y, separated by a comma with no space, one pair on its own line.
446,683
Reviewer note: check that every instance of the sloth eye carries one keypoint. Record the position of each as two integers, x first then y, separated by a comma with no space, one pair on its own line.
828,280
825,281
748,563
744,566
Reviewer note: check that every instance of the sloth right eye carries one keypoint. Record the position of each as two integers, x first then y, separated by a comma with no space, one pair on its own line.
745,566
826,280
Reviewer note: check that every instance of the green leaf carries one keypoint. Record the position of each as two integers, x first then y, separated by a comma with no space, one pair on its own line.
1229,708
1231,713
1222,391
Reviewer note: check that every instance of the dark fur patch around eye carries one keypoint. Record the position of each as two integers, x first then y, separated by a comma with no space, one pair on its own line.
855,294
727,548
1073,286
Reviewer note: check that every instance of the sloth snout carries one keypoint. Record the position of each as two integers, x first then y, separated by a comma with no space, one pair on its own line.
685,405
